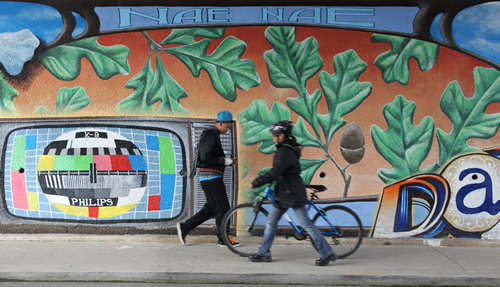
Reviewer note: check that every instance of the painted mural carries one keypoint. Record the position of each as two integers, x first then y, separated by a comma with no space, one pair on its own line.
394,103
458,202
79,173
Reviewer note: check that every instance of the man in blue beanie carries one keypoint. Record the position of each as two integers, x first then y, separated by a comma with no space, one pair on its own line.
211,162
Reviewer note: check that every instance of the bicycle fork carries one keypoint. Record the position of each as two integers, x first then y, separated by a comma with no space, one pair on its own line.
256,210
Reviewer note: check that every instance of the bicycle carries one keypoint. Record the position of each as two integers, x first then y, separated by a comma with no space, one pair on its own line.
339,224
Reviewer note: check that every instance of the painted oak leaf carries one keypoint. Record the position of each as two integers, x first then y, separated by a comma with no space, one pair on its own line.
7,93
394,63
186,36
342,91
309,168
244,169
71,100
41,110
290,64
256,120
224,66
64,61
306,106
140,83
468,114
403,144
303,136
166,90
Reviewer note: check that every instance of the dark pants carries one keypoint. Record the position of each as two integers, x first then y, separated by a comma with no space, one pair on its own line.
216,206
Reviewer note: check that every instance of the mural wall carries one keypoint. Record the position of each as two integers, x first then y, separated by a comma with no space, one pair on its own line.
92,172
397,107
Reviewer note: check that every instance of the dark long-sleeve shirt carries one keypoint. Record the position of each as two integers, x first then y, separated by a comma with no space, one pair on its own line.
210,152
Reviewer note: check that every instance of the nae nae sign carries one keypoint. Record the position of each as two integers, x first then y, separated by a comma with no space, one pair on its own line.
396,19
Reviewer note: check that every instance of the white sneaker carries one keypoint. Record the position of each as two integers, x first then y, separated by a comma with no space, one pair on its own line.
180,234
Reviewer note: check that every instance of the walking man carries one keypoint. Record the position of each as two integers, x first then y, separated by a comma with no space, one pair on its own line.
211,162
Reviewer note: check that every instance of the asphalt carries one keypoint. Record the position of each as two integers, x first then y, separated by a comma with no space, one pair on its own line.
162,259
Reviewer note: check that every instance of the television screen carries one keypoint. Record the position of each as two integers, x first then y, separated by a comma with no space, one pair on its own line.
93,173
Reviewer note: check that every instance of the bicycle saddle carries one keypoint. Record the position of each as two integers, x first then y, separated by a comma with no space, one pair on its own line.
316,187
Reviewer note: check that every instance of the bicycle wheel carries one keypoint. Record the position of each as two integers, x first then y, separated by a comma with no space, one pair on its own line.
347,234
245,226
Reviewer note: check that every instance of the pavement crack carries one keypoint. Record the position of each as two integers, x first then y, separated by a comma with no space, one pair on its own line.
447,257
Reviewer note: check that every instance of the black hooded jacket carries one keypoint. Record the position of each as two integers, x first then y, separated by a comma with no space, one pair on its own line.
290,190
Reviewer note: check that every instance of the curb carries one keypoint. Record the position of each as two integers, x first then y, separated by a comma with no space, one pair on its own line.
256,278
442,242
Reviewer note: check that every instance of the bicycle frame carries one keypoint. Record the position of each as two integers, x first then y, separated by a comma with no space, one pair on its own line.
269,193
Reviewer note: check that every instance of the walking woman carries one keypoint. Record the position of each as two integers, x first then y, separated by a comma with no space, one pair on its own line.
290,193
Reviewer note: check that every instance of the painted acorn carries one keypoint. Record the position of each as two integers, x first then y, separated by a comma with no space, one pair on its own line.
352,143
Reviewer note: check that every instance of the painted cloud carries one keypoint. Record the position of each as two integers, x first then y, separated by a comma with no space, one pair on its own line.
17,48
477,29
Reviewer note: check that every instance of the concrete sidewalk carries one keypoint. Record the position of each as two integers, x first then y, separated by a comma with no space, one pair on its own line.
160,258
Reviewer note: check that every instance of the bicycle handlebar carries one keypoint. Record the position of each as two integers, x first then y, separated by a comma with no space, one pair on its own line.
315,188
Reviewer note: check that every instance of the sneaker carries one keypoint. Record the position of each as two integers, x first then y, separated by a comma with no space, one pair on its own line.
181,234
325,261
221,243
260,258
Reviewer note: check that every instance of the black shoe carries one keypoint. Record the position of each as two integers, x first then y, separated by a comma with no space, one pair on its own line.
181,234
325,261
260,258
221,243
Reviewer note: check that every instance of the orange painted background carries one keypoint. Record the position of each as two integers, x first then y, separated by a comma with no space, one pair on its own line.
424,88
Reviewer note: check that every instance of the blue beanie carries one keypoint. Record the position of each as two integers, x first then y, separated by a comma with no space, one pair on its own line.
224,116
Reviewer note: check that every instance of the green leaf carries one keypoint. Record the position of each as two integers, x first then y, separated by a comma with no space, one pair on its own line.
64,61
244,169
303,136
224,66
306,106
166,90
41,110
256,120
186,36
309,168
402,144
71,100
7,93
468,115
394,63
265,170
291,63
140,83
342,91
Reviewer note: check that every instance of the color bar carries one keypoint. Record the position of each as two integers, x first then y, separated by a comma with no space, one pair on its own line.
167,156
167,191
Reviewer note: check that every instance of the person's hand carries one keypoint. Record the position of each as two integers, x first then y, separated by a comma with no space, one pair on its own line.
235,161
228,161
